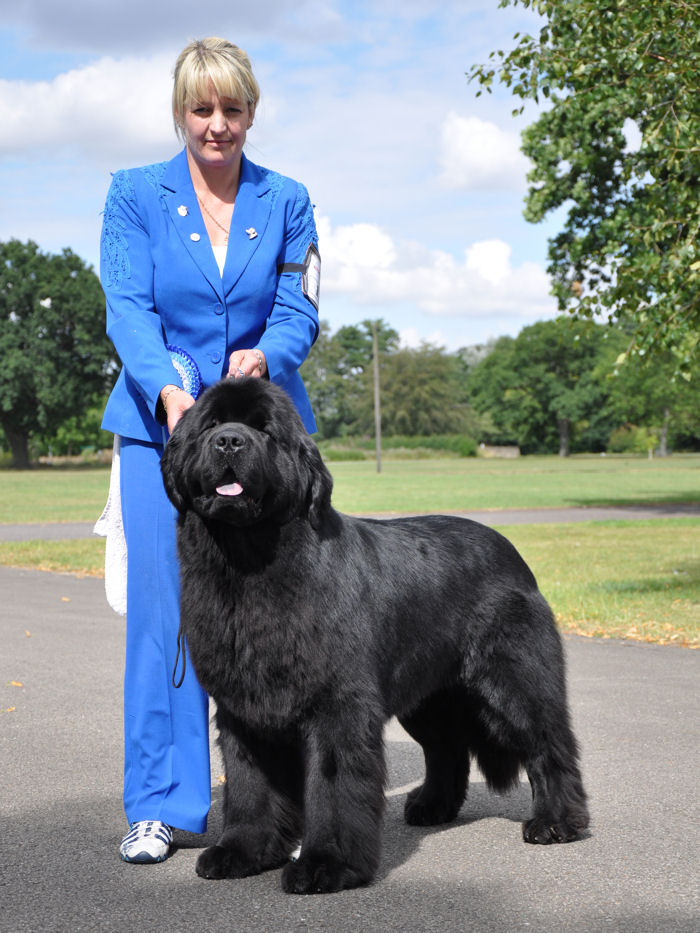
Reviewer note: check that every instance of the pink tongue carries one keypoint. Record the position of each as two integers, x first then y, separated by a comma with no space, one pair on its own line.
232,489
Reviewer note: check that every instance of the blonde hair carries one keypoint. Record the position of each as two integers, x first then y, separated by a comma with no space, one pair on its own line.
211,61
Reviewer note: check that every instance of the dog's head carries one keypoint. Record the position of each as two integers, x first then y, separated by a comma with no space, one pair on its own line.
242,455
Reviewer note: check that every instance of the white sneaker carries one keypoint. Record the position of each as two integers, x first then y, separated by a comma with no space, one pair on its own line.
146,841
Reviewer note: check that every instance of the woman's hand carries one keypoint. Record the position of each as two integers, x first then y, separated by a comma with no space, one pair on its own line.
175,402
246,363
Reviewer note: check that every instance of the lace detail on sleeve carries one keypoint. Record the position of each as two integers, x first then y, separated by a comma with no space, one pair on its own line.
275,181
153,174
306,219
115,256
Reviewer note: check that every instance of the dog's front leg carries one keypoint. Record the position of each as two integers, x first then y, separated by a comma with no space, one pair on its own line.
262,803
343,804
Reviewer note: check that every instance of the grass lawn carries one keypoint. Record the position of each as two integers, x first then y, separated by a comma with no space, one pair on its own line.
636,579
53,494
84,557
528,482
61,495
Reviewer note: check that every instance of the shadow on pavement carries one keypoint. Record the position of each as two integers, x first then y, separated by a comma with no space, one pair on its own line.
634,708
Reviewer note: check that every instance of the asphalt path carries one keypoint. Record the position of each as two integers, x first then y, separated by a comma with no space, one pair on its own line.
59,530
634,708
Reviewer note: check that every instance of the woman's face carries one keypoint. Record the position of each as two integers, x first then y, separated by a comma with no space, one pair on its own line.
215,129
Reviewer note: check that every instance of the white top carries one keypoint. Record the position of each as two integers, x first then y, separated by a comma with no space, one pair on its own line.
220,256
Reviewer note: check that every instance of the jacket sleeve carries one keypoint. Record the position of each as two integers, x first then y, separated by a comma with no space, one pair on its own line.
126,273
292,325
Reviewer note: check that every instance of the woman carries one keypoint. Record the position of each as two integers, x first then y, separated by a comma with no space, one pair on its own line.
217,257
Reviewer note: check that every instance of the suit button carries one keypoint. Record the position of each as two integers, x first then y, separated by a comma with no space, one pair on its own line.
216,357
218,308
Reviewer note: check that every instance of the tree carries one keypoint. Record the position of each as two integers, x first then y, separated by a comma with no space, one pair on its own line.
490,380
423,392
658,400
610,70
77,433
54,354
546,383
337,373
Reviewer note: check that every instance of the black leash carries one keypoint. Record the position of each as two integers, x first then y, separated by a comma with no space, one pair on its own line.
180,648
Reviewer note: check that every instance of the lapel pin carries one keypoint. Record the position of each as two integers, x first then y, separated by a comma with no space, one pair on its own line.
252,233
195,236
182,210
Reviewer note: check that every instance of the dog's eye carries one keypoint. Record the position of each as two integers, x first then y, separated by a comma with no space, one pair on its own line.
214,422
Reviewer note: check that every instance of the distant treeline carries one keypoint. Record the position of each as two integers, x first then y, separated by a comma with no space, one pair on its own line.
558,387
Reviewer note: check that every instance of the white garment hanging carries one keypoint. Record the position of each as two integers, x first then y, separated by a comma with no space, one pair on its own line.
110,526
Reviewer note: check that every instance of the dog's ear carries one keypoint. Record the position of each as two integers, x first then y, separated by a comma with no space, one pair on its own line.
171,469
320,487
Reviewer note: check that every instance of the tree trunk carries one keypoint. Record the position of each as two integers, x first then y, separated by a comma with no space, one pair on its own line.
19,446
377,405
663,433
564,426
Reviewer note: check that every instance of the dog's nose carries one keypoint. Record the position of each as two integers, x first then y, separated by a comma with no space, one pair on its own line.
229,441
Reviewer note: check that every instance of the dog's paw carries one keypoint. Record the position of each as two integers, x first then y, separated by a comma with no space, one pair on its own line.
539,831
218,862
320,874
223,862
423,809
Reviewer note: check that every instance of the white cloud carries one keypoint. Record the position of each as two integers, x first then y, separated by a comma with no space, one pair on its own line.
108,108
475,154
490,259
367,104
363,246
364,263
134,25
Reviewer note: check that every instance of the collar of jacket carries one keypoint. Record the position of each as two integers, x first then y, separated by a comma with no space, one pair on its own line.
251,210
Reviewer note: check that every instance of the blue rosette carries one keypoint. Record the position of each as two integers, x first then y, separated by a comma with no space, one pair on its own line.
187,369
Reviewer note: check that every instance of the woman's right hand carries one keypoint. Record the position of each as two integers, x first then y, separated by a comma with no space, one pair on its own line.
175,402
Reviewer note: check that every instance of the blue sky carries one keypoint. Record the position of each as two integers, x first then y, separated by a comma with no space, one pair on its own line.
418,185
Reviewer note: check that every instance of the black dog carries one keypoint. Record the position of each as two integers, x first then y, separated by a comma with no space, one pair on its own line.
310,629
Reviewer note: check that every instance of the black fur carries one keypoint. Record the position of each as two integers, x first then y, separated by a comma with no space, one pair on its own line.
310,629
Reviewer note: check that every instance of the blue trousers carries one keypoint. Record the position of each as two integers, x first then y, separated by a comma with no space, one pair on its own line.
166,730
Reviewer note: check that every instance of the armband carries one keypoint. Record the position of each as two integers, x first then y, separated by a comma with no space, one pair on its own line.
310,270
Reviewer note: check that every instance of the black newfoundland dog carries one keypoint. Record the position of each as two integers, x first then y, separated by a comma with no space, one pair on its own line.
310,629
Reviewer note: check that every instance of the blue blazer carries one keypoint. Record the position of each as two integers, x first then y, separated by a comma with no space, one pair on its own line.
163,286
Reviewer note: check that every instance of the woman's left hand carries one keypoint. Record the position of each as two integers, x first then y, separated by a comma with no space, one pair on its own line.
246,363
